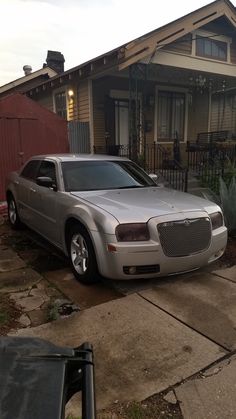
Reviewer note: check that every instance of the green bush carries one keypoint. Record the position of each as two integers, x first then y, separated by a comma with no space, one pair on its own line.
228,203
226,199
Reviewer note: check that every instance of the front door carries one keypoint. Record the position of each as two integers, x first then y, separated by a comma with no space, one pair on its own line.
122,122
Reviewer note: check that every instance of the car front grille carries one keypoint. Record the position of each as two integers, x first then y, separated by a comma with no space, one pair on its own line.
185,237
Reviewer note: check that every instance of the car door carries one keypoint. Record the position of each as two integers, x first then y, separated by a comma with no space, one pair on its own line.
24,184
44,203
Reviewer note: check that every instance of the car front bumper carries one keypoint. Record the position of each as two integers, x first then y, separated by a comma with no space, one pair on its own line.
146,256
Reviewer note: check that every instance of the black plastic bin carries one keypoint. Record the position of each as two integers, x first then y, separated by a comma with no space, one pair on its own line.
37,378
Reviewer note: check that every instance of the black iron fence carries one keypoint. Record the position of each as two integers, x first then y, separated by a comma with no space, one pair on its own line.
212,163
154,159
198,157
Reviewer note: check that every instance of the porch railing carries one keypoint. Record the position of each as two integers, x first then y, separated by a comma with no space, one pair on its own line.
209,165
154,159
199,157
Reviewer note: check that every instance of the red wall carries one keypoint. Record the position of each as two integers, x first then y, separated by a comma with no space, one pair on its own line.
27,129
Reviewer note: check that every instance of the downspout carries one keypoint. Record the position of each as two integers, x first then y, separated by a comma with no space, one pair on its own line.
209,112
91,122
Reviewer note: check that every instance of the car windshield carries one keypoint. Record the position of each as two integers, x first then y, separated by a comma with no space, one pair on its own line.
98,175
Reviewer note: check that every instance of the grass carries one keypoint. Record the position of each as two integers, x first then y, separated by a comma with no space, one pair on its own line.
53,314
135,411
4,317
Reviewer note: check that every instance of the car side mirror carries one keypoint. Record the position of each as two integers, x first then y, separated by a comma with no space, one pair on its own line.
153,176
47,182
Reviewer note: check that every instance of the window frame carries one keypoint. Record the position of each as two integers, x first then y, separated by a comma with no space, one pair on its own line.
55,167
221,38
56,92
38,162
171,90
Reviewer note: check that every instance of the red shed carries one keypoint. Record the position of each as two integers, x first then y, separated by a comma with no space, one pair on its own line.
26,129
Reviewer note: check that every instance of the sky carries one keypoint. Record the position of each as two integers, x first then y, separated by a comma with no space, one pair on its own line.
80,29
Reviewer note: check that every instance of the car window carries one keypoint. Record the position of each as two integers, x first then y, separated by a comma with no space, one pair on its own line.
47,168
102,175
30,170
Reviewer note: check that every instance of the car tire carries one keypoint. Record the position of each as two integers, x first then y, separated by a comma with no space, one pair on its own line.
82,256
13,215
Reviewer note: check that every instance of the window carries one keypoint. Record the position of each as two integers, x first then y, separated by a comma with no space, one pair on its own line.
211,48
60,104
171,115
30,170
47,168
103,175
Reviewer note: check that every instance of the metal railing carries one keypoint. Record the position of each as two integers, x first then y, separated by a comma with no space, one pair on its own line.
211,164
198,157
154,159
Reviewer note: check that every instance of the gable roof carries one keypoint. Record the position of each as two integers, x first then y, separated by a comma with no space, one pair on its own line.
146,45
149,43
45,71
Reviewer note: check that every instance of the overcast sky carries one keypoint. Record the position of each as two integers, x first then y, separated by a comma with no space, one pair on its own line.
80,29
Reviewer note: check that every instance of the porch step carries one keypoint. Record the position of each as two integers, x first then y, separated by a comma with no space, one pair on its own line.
193,183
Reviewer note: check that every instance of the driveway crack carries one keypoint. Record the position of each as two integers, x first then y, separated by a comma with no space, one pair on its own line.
184,323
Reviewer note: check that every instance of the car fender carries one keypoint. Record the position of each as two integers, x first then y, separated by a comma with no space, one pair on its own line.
94,219
11,182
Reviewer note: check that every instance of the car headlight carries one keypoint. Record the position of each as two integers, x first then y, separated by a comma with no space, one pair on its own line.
132,232
216,220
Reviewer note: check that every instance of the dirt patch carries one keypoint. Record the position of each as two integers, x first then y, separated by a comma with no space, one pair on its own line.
153,407
48,262
33,249
9,315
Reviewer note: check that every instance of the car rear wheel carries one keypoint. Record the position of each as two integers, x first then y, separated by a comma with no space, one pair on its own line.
13,216
82,255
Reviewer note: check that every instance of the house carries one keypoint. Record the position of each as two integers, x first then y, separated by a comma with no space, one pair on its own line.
54,65
160,90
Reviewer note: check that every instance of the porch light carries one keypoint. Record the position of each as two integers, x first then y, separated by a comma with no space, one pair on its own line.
71,93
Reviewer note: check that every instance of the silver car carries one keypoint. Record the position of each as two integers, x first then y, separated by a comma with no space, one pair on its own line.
112,219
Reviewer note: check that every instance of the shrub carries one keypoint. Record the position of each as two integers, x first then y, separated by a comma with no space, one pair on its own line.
226,199
228,203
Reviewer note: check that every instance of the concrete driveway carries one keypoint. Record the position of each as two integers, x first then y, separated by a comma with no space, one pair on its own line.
148,336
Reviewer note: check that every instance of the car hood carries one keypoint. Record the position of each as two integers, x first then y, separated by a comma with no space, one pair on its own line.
137,205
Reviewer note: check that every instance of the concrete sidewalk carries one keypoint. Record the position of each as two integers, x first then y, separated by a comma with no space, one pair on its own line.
139,350
211,395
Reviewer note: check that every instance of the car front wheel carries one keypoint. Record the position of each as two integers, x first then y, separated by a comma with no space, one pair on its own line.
82,255
13,216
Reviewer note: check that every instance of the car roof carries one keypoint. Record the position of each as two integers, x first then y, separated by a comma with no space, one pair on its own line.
80,157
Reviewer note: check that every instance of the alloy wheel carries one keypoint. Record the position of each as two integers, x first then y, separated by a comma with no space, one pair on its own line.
12,212
79,254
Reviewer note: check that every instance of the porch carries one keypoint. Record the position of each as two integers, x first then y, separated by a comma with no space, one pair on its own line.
159,116
202,165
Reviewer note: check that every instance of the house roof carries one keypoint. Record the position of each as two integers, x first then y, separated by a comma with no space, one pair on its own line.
46,71
147,44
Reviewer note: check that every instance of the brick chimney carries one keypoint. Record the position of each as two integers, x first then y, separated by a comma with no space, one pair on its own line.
55,60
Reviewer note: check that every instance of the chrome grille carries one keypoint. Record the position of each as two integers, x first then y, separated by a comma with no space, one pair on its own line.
185,237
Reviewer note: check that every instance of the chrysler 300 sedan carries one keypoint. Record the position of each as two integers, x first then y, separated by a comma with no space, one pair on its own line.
112,219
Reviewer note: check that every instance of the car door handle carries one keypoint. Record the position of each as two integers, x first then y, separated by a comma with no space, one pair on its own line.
32,190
